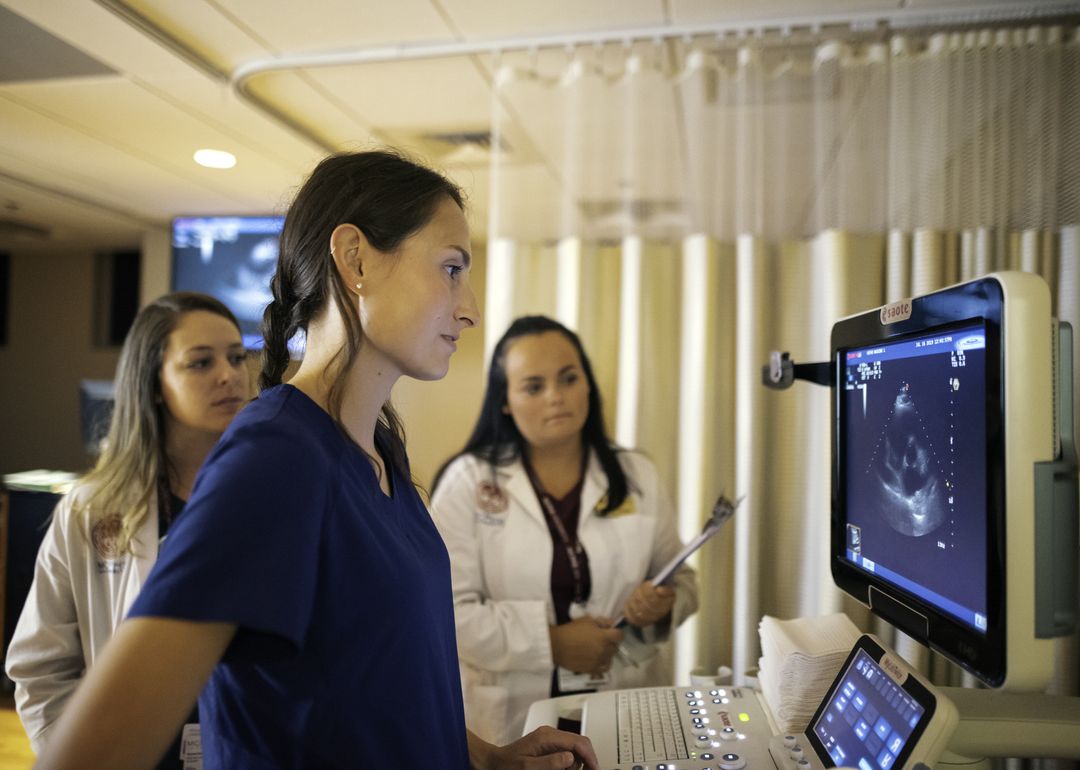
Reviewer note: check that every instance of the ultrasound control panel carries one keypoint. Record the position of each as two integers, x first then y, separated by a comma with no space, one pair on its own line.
879,714
672,728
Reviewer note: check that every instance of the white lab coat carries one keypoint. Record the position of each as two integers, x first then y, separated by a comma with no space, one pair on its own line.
76,601
501,567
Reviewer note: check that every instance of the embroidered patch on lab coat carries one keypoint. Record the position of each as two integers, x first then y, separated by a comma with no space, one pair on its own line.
490,498
105,534
628,506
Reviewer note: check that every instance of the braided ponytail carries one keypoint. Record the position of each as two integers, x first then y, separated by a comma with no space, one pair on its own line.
276,333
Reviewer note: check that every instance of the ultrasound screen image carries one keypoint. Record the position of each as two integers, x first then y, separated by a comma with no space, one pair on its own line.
908,464
915,452
232,259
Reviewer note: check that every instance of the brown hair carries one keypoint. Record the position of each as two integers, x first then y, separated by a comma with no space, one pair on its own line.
388,198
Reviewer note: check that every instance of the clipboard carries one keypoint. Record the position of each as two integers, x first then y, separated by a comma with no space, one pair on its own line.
722,512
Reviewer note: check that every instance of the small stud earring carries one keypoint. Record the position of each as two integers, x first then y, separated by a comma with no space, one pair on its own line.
359,286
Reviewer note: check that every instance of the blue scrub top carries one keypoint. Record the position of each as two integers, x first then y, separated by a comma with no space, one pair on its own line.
345,654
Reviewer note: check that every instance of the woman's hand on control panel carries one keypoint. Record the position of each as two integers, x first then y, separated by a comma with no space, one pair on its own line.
545,748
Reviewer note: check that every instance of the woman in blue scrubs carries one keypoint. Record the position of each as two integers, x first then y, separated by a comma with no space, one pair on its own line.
305,587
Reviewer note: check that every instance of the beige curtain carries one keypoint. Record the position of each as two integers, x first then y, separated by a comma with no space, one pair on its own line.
690,206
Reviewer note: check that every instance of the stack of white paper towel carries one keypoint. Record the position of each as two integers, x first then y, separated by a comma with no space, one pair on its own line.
799,660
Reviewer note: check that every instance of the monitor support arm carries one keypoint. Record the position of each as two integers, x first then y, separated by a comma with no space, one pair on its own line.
1003,724
781,372
1057,522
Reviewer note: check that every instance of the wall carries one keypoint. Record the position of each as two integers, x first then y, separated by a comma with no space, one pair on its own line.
50,348
156,273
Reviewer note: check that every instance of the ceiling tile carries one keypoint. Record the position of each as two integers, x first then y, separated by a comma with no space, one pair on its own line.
325,116
96,31
482,19
217,106
212,33
27,52
64,221
290,27
436,94
982,5
144,167
686,12
131,119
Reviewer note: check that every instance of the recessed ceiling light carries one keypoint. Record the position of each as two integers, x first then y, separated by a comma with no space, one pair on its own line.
215,158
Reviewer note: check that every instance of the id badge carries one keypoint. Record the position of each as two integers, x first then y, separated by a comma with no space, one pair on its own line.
191,747
571,682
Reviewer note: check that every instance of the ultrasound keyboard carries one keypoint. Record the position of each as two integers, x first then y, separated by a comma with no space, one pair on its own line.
653,728
674,728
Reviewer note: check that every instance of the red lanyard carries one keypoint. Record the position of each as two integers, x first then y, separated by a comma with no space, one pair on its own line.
574,551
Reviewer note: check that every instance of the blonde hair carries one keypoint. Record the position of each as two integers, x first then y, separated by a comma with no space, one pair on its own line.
133,466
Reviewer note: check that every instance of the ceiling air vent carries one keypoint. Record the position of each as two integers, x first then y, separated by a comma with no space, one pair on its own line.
462,148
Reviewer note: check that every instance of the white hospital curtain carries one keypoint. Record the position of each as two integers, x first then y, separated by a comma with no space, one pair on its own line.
998,192
691,205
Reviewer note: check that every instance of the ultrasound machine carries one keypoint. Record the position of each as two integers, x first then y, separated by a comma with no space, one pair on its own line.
954,518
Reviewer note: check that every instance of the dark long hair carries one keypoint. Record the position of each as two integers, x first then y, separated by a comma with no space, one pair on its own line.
133,465
388,198
497,440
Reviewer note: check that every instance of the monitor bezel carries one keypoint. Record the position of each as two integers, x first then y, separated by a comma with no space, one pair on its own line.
983,654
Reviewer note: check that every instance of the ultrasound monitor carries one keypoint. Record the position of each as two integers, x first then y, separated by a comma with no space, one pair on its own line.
942,406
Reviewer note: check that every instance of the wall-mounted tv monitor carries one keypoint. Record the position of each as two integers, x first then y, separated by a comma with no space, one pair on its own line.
233,259
942,406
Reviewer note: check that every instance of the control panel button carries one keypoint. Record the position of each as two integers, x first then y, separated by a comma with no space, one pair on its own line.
731,761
